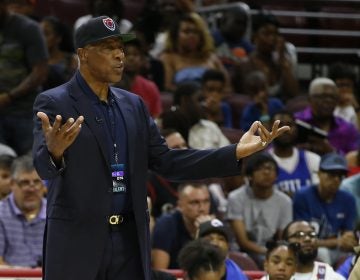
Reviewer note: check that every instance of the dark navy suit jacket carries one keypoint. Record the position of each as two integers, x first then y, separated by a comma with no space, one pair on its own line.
79,200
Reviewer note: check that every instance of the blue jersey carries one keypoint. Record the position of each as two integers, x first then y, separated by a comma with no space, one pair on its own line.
292,182
328,218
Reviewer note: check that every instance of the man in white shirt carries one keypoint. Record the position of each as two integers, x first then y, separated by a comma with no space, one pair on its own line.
297,167
307,268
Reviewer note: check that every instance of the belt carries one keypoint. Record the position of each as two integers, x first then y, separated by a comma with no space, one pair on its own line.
117,220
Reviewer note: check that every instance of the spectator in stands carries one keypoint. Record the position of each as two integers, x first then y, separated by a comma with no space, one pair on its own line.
7,150
24,7
134,82
215,232
162,192
62,59
111,8
280,261
173,231
202,133
351,185
230,42
277,68
262,106
353,161
297,168
175,119
146,28
216,109
331,211
168,12
257,211
342,135
189,52
348,106
346,265
22,217
201,260
5,175
23,68
308,268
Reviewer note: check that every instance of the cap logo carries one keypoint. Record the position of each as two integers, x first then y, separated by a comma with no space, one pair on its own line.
216,223
109,23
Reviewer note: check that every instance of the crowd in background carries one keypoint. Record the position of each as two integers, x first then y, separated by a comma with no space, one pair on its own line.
294,210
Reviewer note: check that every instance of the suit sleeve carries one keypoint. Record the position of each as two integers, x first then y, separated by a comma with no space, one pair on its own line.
42,160
190,164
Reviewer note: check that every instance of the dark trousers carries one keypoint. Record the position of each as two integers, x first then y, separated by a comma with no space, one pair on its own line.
121,259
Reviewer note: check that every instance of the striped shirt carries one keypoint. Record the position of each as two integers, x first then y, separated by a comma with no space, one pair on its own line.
21,241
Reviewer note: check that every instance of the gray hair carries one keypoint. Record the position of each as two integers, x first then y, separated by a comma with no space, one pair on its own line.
22,164
317,84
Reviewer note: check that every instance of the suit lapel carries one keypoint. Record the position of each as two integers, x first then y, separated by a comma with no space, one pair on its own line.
84,107
129,119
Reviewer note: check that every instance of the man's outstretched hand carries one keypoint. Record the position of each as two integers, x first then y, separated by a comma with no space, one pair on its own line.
257,138
59,136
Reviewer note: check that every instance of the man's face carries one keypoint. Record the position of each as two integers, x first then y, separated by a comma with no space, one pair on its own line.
329,183
104,60
213,91
266,38
288,138
194,202
5,182
304,234
175,141
264,176
133,59
323,101
28,190
218,240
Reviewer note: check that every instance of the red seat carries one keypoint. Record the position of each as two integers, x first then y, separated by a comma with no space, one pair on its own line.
243,260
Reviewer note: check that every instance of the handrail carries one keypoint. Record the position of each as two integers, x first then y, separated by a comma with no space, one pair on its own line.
321,32
37,273
309,14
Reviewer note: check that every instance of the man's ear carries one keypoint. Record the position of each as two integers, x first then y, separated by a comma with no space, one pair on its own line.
82,54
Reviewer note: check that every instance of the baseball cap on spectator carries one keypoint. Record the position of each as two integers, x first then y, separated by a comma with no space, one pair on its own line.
333,162
212,226
98,29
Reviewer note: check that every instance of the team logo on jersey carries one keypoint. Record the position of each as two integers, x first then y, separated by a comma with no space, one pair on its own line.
109,23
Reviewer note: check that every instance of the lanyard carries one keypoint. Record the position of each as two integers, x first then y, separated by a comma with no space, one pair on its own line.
112,122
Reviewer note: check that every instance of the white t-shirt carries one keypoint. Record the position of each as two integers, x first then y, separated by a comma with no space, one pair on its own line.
347,113
206,135
319,269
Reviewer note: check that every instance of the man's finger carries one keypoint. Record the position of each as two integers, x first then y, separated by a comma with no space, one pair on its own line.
254,127
57,123
45,123
75,127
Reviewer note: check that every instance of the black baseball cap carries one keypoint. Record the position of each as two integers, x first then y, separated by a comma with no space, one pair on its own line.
212,226
97,29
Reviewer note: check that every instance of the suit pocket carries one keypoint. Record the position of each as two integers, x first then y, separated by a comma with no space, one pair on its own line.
60,213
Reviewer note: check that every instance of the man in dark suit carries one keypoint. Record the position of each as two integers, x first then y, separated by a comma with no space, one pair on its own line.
94,143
